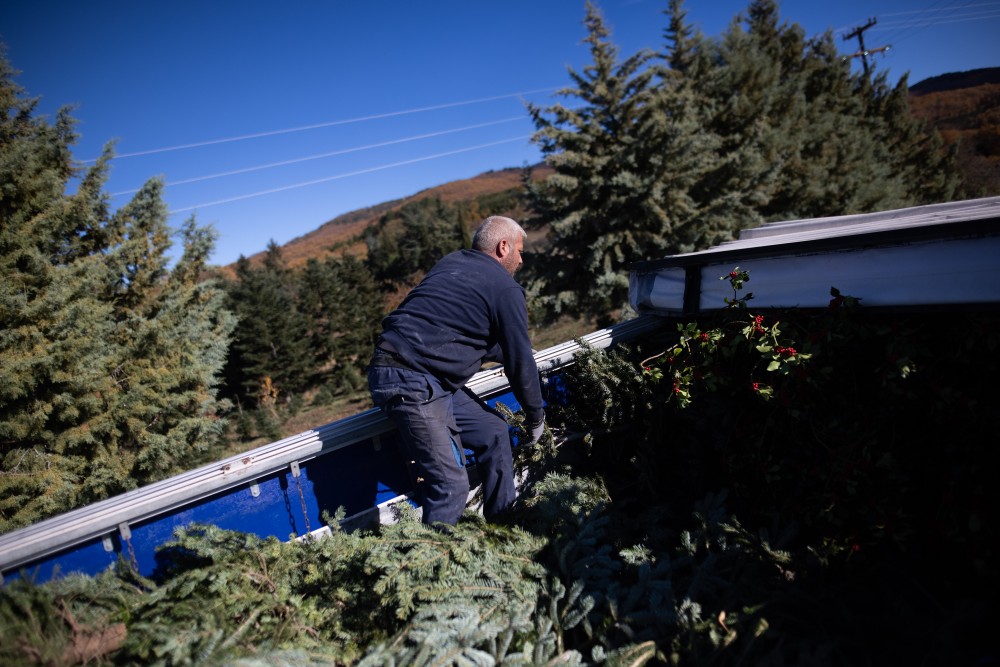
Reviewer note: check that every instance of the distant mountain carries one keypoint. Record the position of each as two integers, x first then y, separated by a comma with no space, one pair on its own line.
965,108
345,233
956,81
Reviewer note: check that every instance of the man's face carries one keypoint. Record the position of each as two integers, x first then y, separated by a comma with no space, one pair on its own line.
512,260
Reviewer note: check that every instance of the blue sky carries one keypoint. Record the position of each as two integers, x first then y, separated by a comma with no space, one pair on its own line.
267,119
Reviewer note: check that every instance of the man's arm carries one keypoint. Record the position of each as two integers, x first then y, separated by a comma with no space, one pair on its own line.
519,362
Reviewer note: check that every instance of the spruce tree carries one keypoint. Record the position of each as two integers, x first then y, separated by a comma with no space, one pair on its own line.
603,205
177,351
696,180
109,364
343,307
315,286
270,357
407,242
431,230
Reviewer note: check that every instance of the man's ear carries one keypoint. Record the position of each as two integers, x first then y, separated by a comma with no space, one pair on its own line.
502,248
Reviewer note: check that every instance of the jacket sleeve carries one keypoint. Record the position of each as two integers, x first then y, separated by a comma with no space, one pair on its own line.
519,362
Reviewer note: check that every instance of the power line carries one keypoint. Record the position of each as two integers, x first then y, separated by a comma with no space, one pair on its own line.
931,9
919,23
307,158
353,173
923,22
271,133
924,18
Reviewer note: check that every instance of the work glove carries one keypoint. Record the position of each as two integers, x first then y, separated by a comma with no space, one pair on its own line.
535,431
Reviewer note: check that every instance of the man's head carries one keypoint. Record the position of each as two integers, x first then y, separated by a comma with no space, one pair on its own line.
502,239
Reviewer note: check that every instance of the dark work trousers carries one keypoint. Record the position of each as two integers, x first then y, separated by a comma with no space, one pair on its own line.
436,426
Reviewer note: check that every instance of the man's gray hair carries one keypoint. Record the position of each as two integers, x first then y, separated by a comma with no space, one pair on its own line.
494,229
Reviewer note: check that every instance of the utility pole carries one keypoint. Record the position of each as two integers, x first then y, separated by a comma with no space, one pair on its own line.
862,51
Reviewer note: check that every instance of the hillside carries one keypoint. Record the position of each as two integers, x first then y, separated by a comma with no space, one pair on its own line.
956,81
344,233
965,108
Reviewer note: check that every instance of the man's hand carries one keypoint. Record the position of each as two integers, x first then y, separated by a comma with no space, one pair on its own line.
536,431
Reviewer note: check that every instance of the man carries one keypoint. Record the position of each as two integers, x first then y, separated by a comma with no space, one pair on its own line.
467,310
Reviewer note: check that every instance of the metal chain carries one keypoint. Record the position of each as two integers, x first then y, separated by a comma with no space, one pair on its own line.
131,555
302,496
288,508
125,532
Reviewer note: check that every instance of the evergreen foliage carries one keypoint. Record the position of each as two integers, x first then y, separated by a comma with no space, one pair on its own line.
74,620
269,357
343,306
301,331
110,359
673,152
831,450
810,139
926,169
407,242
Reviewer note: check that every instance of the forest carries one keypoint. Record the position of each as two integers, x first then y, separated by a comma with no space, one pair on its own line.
121,368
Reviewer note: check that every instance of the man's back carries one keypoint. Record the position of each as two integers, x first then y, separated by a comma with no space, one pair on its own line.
467,309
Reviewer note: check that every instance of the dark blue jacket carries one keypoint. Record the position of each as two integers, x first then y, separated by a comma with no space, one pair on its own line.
465,311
